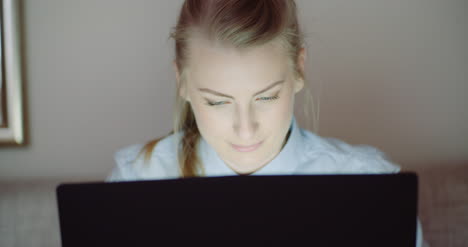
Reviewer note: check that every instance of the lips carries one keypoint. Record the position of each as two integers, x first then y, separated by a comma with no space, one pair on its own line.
246,148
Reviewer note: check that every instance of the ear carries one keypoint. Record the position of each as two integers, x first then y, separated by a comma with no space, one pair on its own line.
176,69
301,58
298,85
181,87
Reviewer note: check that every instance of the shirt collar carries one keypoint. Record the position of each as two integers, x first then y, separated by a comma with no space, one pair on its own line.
284,163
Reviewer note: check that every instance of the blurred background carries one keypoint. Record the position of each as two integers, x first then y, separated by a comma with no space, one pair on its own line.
98,77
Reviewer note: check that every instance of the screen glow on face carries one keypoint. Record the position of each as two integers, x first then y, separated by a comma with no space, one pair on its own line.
243,101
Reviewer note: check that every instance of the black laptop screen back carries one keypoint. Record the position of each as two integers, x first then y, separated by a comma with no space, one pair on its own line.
315,210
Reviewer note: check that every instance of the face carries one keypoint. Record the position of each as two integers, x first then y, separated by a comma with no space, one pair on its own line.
243,101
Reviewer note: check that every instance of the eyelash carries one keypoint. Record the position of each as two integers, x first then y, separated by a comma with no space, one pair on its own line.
261,98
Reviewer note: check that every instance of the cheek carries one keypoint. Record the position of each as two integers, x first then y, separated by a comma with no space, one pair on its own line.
278,120
279,111
209,122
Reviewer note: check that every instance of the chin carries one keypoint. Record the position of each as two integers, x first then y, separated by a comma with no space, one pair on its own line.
247,161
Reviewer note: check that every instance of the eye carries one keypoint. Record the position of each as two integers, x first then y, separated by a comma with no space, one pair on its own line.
217,103
268,98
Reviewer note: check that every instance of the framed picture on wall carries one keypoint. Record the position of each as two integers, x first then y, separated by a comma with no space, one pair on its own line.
11,84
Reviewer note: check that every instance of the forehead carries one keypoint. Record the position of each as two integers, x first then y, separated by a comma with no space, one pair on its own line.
212,63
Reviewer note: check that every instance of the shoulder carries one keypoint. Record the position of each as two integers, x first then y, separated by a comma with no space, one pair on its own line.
336,156
130,163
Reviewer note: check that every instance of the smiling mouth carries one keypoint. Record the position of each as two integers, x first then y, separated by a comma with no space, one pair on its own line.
247,148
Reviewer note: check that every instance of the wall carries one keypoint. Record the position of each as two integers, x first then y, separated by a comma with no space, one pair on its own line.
392,74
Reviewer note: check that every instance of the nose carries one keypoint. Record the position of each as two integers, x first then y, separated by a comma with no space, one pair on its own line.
245,124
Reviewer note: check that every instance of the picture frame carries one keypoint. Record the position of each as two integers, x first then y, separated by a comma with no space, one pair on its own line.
12,130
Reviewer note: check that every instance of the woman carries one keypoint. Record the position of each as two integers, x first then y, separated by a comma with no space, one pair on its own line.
239,65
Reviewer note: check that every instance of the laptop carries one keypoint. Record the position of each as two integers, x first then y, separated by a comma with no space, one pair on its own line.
290,210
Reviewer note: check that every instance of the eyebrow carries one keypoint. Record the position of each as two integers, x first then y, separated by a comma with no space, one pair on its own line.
207,90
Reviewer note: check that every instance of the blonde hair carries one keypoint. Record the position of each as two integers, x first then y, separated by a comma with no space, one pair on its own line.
240,24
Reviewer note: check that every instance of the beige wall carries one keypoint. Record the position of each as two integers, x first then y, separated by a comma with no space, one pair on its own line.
393,75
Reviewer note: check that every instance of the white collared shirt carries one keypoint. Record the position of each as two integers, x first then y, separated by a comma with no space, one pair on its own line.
303,153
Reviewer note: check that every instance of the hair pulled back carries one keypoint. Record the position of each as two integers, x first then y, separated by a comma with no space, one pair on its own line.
237,23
